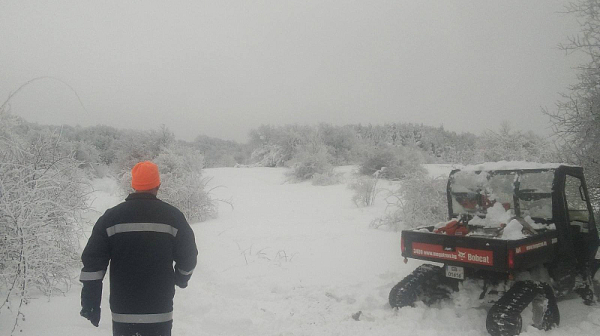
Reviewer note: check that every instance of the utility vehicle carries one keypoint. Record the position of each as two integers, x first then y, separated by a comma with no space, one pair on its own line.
524,232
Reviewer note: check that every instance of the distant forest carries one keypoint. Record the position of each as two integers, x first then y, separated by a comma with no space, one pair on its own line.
280,146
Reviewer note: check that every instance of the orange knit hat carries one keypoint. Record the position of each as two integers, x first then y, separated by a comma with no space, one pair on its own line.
145,176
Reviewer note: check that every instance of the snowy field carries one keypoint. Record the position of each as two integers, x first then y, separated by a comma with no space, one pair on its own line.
292,259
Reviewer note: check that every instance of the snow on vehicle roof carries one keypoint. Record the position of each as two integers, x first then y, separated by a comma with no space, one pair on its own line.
511,165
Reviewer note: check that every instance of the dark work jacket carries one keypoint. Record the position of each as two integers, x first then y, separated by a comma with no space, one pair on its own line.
141,238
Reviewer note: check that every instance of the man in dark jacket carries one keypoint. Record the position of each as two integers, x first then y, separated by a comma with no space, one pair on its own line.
141,238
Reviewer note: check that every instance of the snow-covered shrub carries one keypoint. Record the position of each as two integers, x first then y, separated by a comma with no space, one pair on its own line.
420,200
342,143
103,138
136,146
221,153
188,193
42,194
182,184
275,146
311,159
329,177
268,156
392,163
365,190
377,159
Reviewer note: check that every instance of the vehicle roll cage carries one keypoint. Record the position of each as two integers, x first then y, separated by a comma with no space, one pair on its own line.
560,172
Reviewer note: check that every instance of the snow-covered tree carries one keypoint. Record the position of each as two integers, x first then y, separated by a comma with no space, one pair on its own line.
509,145
42,194
577,116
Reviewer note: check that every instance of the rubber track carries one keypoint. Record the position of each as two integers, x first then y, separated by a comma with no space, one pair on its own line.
423,283
504,318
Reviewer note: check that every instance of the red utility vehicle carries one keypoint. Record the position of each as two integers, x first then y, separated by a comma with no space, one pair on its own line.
525,232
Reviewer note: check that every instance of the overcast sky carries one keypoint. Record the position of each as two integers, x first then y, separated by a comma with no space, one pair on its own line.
221,68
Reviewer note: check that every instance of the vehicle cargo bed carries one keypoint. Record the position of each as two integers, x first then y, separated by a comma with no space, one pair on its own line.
479,252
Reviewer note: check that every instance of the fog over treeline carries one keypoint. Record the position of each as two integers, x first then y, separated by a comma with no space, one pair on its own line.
279,146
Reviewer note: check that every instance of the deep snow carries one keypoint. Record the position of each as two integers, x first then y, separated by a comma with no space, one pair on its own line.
293,259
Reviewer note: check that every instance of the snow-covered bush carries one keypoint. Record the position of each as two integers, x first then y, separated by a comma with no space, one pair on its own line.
268,156
221,153
136,146
393,163
275,146
342,143
182,184
310,160
329,177
377,159
42,194
104,139
420,200
365,190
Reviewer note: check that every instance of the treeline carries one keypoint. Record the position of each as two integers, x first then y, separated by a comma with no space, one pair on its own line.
307,149
106,147
399,148
276,145
310,151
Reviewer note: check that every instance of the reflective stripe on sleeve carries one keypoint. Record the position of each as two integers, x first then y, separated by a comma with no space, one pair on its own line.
90,276
185,272
142,318
141,227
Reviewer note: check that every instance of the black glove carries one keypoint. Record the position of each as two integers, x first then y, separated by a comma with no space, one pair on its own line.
181,280
92,314
181,283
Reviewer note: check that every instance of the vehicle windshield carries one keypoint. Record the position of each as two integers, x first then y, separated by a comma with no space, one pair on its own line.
474,192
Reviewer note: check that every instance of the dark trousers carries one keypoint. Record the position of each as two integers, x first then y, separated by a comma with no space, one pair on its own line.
142,329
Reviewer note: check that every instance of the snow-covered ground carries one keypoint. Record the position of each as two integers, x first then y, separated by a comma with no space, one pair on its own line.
293,259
